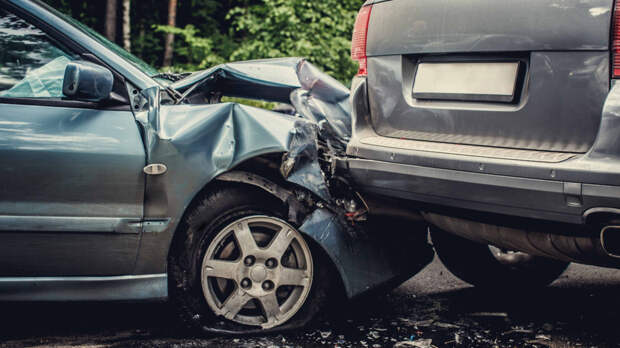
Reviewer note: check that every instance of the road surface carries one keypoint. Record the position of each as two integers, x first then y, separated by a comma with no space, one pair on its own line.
581,309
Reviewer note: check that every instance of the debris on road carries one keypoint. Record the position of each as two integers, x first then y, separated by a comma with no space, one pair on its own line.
439,319
421,343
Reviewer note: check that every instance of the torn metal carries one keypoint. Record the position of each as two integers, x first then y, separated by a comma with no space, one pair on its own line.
193,129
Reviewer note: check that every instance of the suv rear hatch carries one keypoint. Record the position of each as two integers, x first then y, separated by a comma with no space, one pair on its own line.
530,74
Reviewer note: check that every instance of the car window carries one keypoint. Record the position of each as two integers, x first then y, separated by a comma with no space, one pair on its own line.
93,34
32,65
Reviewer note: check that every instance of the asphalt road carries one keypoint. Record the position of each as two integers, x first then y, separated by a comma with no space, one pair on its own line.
581,309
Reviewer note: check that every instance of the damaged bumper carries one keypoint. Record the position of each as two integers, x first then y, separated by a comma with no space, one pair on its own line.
211,140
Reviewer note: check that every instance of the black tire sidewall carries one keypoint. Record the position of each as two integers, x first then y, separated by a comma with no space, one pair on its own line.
216,210
475,264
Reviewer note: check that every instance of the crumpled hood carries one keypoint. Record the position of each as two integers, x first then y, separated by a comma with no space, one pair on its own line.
315,95
270,79
216,137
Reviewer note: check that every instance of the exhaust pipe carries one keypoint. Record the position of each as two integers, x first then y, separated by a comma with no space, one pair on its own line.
583,244
610,240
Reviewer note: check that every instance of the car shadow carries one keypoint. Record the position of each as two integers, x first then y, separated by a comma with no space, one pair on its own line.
584,313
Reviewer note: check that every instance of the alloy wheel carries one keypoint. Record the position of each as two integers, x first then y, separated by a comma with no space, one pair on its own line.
257,271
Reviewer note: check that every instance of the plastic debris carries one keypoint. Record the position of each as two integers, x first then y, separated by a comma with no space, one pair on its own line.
421,343
326,334
373,335
489,314
445,325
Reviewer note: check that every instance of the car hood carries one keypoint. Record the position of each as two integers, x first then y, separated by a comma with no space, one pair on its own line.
314,95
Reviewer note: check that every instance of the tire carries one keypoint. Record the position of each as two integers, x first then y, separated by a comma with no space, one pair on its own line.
477,265
213,247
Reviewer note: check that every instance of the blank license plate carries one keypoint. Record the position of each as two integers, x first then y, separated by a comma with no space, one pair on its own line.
479,81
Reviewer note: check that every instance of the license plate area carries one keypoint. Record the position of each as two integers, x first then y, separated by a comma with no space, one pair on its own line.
479,81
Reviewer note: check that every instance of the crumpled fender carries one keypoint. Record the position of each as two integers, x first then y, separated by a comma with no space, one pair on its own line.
198,143
363,262
371,260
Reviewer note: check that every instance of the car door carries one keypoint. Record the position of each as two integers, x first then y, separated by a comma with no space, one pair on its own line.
71,180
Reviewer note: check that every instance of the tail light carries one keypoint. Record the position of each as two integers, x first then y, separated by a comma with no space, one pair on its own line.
360,36
615,42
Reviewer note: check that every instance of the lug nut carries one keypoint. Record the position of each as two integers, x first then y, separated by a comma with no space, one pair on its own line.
268,285
246,283
249,261
271,263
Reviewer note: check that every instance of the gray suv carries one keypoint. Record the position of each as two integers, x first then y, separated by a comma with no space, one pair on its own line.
500,120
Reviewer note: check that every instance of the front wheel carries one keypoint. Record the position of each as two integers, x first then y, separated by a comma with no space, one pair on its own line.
242,268
486,266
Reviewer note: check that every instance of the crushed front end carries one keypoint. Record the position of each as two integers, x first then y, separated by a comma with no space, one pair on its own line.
295,155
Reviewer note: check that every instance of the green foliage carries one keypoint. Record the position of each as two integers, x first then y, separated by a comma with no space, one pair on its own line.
210,32
318,30
197,52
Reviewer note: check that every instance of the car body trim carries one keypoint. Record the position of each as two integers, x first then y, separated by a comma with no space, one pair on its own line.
69,224
469,150
529,198
117,288
258,181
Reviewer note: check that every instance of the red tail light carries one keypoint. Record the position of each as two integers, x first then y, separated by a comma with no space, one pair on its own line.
360,35
615,42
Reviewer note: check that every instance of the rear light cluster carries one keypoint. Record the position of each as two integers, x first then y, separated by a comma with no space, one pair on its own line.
615,43
360,36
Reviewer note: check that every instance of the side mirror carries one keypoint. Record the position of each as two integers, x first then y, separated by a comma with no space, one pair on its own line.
87,81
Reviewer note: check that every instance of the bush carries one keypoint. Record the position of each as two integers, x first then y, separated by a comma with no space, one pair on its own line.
317,30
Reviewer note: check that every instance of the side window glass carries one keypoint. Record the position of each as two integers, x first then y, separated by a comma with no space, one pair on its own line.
31,64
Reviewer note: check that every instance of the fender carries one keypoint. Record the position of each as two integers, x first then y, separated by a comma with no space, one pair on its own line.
363,263
197,143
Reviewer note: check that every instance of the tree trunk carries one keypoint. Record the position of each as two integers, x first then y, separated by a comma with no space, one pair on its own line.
110,20
172,21
127,25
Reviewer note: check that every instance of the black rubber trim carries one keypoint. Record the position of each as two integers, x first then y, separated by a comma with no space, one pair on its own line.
497,194
57,102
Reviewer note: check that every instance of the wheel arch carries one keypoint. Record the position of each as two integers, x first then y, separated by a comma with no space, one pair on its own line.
262,173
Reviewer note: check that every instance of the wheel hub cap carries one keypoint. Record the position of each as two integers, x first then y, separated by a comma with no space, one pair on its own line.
276,292
258,274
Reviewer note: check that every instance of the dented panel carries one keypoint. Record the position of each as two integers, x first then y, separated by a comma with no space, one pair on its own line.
198,141
365,261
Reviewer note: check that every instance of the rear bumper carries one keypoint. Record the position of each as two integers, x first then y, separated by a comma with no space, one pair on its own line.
530,198
562,190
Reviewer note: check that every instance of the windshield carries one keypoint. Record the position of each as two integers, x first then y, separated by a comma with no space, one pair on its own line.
135,61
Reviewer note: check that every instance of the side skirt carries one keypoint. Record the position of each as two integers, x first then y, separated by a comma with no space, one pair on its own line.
120,288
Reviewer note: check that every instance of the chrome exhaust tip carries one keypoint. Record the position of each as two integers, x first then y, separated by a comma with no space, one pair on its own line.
610,240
